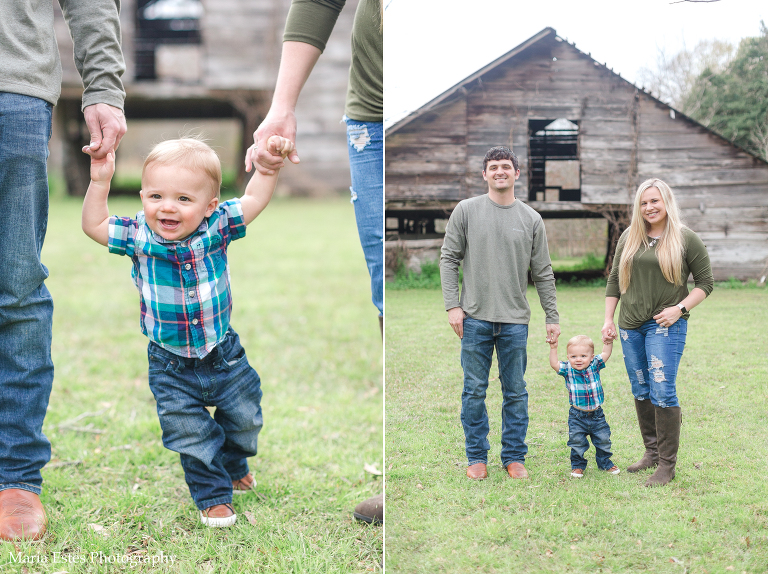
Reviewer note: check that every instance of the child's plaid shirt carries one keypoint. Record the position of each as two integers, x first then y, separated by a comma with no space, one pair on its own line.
186,300
584,389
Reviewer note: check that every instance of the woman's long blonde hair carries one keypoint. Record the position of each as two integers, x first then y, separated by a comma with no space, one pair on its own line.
670,249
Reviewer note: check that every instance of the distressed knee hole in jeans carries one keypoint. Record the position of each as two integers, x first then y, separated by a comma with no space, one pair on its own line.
640,377
353,197
624,334
657,368
358,136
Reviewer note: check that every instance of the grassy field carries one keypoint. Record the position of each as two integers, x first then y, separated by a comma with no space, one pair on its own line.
712,518
116,498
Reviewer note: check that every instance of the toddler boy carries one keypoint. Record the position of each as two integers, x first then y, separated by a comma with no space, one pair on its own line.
178,245
585,393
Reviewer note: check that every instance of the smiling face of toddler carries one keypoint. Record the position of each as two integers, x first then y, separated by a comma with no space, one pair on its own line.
176,199
580,356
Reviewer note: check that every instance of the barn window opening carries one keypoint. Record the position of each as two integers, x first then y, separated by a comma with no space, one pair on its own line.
553,160
168,39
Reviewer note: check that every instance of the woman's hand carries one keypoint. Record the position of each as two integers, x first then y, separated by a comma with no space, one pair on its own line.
609,332
668,316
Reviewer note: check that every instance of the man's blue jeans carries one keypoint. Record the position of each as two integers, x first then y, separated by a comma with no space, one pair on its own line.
510,341
26,307
214,449
365,143
652,356
591,424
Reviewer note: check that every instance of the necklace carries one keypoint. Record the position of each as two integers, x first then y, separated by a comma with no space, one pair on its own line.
653,240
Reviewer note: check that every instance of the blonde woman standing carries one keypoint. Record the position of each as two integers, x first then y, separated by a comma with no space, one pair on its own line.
654,258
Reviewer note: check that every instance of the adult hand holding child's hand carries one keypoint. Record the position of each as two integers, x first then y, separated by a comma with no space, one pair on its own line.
609,332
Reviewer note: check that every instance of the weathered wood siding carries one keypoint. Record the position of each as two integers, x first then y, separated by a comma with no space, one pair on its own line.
625,137
240,50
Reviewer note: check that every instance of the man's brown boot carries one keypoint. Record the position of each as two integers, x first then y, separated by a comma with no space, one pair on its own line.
477,471
371,510
517,470
22,516
668,422
646,417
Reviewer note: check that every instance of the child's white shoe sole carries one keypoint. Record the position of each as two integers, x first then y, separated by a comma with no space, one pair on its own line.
222,522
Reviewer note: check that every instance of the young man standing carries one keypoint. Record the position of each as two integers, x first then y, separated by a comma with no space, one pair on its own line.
499,239
30,84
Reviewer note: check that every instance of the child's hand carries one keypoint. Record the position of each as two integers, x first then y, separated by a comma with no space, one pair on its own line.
553,344
103,169
277,145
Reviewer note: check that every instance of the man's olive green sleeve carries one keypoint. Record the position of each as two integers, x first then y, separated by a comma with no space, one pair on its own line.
95,29
542,275
451,256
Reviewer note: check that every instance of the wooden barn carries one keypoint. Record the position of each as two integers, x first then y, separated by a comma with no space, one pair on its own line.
217,59
585,138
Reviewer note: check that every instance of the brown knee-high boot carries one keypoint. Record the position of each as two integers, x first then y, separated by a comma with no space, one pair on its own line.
668,435
646,417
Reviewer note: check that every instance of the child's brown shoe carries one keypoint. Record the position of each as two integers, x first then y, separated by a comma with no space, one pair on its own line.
219,516
613,470
577,473
244,485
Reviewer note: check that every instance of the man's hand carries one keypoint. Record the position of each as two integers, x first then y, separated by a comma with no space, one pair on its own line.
456,319
107,127
553,332
281,124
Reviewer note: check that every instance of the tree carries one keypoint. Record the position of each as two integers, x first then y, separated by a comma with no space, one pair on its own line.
676,76
734,101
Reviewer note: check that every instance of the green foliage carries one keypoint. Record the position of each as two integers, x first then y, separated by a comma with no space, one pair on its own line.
734,102
734,283
575,282
588,263
711,518
429,278
303,312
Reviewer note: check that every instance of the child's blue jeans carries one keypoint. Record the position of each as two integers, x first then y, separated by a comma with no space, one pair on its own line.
213,449
592,424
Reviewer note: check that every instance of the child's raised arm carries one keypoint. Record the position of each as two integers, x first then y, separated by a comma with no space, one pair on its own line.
95,219
259,190
607,349
553,362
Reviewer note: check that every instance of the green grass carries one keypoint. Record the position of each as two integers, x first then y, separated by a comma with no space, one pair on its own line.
712,518
302,309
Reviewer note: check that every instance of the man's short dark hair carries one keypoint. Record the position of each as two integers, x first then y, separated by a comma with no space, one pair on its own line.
500,152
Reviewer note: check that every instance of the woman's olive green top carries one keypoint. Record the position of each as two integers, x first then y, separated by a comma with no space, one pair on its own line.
311,22
649,292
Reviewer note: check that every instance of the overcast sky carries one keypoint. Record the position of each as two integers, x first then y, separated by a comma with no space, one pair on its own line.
430,45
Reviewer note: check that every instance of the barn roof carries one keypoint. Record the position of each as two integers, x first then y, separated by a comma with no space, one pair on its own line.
463,86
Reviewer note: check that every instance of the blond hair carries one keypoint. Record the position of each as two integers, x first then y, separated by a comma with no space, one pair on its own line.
190,152
670,248
580,340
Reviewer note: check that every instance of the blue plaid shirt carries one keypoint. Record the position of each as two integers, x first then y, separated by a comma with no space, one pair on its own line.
186,301
584,389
